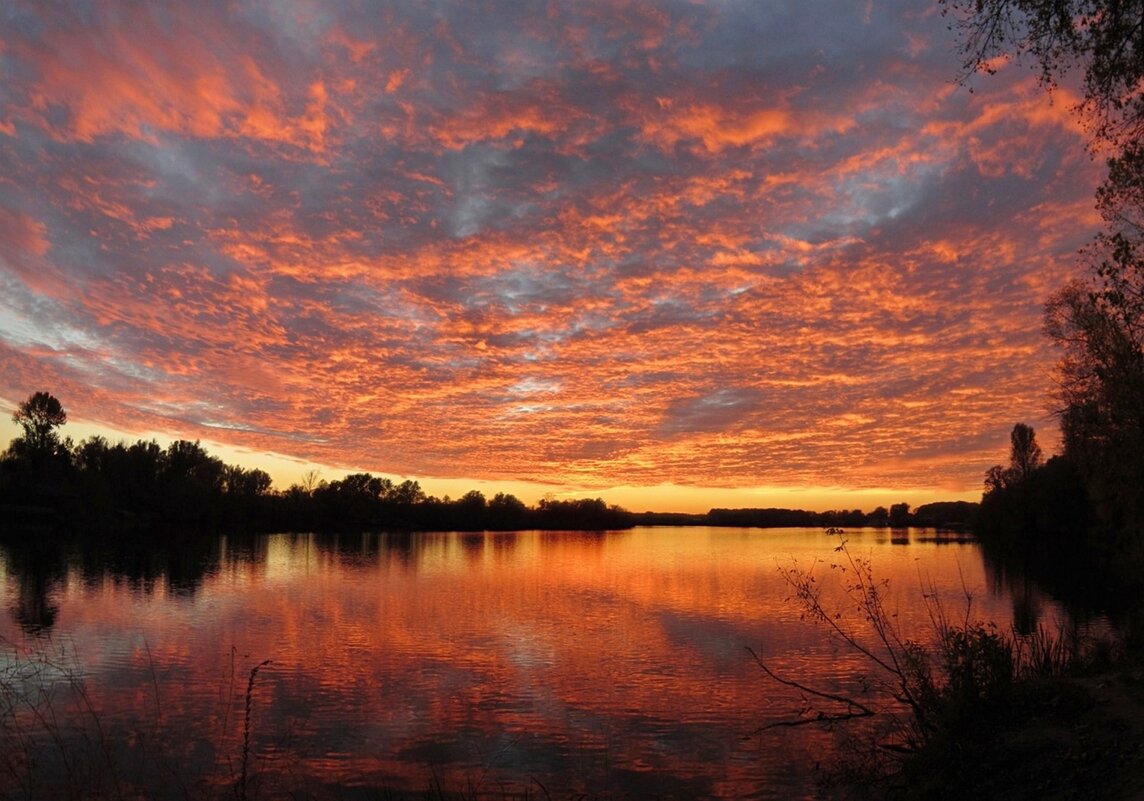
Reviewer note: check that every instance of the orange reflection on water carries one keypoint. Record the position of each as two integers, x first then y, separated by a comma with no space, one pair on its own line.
612,664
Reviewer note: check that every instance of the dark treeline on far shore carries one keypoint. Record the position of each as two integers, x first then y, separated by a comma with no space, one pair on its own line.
957,515
98,487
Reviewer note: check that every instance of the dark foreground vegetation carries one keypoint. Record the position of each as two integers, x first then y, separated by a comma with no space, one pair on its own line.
974,711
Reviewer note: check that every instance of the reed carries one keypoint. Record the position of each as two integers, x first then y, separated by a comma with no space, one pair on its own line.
57,743
246,728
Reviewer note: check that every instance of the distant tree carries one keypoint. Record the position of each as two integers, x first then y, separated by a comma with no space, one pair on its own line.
506,512
362,484
40,415
502,502
900,515
36,470
146,460
467,513
407,493
189,462
472,502
879,517
355,499
250,483
190,483
92,454
947,514
310,481
582,513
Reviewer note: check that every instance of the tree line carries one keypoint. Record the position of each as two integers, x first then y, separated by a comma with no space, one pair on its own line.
51,482
46,481
943,515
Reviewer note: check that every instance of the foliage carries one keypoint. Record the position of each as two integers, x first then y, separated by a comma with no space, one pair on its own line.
978,664
1025,453
1103,39
1097,322
946,514
1046,511
1101,400
902,665
784,518
899,515
36,468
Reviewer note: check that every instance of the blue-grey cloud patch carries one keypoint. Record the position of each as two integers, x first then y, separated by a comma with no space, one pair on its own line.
714,411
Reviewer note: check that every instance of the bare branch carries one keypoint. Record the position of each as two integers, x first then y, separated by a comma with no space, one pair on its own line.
853,709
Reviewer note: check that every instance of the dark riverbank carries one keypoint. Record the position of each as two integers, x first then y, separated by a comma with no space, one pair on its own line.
1069,738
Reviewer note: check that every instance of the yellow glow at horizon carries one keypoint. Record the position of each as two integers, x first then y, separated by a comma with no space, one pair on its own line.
287,470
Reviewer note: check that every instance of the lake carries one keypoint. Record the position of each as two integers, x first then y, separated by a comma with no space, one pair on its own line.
495,665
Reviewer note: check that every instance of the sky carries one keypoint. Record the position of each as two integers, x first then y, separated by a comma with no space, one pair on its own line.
672,254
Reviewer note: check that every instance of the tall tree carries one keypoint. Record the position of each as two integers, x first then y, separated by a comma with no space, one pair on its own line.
1024,459
1024,452
1097,321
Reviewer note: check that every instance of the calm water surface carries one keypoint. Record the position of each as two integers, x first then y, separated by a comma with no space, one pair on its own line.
514,665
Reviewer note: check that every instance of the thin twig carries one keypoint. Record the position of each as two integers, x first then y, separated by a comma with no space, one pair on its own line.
854,708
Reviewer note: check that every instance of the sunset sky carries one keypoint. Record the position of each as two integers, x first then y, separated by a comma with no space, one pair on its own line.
674,254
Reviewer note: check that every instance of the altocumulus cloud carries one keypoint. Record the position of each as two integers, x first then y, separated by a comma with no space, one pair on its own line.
602,243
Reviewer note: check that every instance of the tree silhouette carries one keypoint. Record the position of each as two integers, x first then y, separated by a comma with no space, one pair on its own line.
1100,387
247,483
899,515
407,493
36,470
506,512
1103,39
40,415
1024,460
879,517
1024,453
